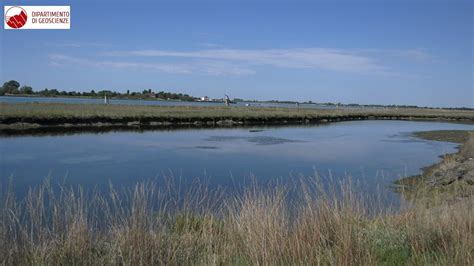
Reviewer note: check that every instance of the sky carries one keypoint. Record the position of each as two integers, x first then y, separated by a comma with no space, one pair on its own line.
415,52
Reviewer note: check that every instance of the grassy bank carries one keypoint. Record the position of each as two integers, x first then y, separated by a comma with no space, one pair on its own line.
37,115
156,225
450,180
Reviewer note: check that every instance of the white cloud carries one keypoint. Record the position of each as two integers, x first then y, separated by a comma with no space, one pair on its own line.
209,68
299,58
244,62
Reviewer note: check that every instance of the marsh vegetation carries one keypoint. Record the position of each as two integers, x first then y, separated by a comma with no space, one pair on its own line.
34,115
149,224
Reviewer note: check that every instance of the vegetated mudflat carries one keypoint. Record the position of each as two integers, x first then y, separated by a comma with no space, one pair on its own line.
452,179
34,115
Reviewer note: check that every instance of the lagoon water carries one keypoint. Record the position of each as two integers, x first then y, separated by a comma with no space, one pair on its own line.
373,153
71,100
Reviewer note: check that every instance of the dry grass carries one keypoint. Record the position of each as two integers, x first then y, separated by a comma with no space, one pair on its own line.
58,110
165,225
450,180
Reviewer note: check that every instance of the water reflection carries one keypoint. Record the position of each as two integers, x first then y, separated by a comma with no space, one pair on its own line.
258,140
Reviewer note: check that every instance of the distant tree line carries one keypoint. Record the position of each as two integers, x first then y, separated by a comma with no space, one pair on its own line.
12,87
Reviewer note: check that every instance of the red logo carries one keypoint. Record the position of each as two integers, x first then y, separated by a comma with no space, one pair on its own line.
16,17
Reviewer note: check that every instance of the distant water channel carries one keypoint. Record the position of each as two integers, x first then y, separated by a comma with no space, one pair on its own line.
373,153
13,99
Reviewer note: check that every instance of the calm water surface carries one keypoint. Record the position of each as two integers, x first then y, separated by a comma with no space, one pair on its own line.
12,99
374,153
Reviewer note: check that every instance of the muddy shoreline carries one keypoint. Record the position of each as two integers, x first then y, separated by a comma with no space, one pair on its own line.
30,125
452,178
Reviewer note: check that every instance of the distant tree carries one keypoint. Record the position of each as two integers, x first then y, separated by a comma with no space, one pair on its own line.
44,91
26,90
47,92
102,93
11,87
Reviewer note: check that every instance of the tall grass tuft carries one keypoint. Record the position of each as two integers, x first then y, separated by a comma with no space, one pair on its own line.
151,224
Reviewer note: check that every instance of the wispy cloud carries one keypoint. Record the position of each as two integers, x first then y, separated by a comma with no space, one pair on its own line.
209,68
299,58
414,54
245,62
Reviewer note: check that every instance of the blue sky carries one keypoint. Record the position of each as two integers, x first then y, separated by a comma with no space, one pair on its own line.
382,52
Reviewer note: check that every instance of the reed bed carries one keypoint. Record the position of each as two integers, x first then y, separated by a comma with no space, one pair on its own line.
151,224
95,111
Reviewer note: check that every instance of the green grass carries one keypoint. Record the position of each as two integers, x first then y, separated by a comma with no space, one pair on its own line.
165,225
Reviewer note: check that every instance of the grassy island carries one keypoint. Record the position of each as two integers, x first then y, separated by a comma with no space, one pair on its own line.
57,115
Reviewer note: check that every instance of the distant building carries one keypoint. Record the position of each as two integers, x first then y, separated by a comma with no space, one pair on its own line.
205,99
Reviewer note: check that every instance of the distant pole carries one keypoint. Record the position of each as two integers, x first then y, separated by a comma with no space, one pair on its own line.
106,101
